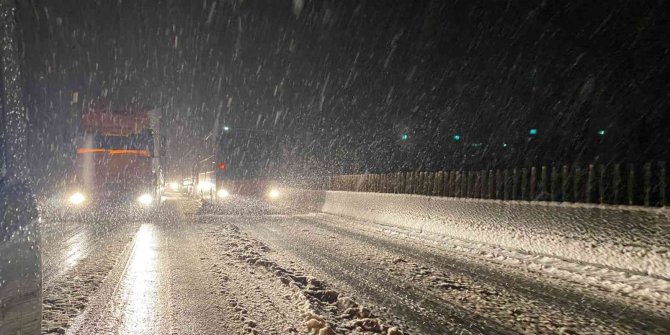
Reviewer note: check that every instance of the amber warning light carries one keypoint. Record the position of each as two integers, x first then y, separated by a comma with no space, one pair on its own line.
114,152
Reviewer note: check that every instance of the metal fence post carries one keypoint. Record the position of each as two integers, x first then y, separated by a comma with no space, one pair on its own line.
590,180
616,184
390,182
565,184
499,184
524,184
508,185
501,187
554,183
439,183
533,183
457,184
577,185
464,184
515,184
491,186
408,183
430,189
646,170
397,183
631,185
415,178
662,185
422,183
602,172
452,183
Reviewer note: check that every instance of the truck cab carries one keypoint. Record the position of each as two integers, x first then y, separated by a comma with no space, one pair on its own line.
117,159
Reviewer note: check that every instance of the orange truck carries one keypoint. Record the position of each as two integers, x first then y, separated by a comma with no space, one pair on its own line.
118,158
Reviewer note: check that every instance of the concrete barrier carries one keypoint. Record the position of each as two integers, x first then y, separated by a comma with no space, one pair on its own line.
300,200
627,238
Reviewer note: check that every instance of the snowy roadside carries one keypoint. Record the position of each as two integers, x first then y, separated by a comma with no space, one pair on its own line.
649,291
634,241
284,300
434,291
325,274
68,295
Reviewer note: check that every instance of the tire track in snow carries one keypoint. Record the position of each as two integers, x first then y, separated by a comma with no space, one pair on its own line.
561,297
419,308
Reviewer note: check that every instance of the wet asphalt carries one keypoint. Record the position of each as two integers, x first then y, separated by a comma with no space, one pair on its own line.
163,283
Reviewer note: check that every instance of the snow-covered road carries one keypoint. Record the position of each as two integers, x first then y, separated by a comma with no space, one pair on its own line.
265,271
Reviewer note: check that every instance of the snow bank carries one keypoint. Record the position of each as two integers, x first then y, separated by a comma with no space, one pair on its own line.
622,238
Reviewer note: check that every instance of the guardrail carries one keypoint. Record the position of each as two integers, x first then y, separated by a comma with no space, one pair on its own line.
615,184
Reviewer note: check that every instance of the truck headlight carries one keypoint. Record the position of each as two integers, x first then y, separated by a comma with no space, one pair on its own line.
273,194
145,199
76,198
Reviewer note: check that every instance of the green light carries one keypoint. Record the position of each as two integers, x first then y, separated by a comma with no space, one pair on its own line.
601,132
457,137
404,137
533,131
504,145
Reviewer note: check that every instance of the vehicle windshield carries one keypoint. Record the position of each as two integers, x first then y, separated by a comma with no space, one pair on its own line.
334,167
248,154
143,141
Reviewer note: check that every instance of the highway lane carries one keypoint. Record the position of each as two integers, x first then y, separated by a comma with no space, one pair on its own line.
435,290
66,242
242,267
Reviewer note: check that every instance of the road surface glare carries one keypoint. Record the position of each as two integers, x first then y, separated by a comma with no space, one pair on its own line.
266,271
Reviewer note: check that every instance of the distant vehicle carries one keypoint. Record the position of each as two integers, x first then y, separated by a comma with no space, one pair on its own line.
118,158
242,164
187,186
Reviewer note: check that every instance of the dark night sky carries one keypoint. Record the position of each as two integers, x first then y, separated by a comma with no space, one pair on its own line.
345,78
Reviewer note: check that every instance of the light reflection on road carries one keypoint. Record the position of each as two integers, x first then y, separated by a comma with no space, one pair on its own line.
140,285
74,250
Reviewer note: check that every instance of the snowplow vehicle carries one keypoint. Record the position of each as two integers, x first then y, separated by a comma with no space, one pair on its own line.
117,159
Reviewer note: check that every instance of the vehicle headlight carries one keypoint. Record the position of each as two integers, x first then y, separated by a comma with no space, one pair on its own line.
76,198
145,199
273,194
223,193
174,186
